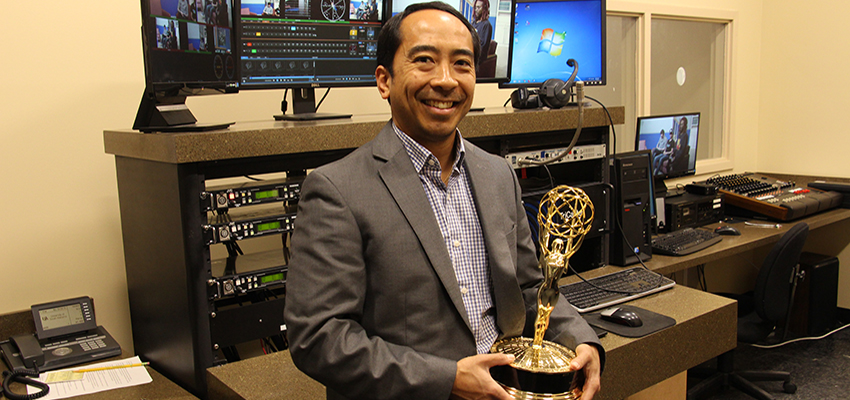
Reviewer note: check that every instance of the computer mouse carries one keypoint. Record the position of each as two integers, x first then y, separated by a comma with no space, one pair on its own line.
622,316
727,230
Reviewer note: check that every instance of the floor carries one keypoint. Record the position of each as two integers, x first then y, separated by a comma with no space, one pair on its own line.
819,368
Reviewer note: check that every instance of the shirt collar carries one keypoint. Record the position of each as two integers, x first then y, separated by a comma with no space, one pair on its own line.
419,155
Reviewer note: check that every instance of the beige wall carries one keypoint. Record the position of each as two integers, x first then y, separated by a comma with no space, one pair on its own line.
804,88
77,70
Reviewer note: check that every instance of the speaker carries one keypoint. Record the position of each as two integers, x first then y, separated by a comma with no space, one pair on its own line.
631,235
815,308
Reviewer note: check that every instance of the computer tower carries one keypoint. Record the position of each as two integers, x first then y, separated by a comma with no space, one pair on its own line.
815,308
631,233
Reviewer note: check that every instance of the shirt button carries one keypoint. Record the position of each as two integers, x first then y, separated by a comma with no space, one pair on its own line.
430,162
456,243
464,290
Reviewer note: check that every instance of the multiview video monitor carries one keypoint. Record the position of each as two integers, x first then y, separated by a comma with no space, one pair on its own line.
305,44
547,33
492,21
189,48
672,141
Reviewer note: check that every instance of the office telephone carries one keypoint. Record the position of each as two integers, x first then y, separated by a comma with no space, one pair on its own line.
66,334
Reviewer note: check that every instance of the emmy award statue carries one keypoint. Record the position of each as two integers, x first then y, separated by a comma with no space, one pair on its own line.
541,369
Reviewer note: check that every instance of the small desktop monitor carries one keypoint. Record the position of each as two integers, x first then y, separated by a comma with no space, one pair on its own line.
307,44
547,33
189,48
492,21
672,141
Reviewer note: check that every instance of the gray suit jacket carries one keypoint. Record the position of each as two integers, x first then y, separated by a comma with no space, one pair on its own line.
373,308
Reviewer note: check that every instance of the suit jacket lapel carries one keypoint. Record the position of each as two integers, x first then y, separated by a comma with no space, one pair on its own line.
404,185
507,296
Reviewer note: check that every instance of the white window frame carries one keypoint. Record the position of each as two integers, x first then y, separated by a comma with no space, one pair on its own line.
644,13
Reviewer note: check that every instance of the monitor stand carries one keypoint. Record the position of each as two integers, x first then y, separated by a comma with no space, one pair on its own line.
304,107
169,114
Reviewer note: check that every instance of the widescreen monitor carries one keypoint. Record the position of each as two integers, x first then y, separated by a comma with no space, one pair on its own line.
492,21
547,33
672,141
305,44
189,48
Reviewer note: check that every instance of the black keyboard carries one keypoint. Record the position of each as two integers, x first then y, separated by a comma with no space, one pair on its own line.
684,241
604,291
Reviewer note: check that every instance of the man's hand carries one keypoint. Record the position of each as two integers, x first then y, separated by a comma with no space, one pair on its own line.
473,380
587,358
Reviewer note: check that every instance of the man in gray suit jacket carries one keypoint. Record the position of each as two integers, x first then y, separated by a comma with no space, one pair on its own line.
413,253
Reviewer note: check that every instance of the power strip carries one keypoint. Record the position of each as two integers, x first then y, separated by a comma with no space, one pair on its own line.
579,153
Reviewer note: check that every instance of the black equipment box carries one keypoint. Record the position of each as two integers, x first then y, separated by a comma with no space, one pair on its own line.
692,210
839,187
815,308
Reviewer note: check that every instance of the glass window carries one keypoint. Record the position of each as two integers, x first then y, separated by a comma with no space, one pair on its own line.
687,65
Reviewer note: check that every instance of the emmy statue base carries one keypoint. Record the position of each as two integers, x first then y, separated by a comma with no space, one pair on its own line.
537,373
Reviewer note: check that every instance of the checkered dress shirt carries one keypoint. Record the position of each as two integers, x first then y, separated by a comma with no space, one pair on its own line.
454,208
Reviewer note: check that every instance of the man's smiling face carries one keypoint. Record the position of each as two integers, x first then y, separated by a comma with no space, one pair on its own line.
433,78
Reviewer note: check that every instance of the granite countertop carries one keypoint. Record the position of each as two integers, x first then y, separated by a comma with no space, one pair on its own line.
269,137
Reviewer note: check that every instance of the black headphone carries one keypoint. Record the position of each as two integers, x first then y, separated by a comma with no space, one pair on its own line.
524,97
553,93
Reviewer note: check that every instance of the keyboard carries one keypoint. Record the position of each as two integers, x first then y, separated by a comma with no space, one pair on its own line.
638,281
684,241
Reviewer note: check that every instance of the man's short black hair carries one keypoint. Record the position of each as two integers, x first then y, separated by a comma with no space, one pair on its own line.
389,39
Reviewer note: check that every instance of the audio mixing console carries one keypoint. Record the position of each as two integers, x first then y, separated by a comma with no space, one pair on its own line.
752,195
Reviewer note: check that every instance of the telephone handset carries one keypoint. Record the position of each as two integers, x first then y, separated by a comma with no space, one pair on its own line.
32,356
29,350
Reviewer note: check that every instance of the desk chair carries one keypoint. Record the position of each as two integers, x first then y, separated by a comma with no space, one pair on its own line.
759,312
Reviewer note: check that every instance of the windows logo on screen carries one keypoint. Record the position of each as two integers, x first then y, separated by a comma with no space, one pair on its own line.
551,42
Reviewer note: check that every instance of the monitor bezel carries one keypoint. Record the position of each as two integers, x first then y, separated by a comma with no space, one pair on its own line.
674,174
507,84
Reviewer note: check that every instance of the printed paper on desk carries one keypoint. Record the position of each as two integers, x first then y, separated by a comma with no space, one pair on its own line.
98,381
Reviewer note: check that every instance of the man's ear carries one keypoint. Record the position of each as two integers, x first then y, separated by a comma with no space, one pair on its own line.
384,80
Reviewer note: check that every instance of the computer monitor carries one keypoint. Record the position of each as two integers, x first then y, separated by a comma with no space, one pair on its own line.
493,24
672,140
189,49
307,44
547,33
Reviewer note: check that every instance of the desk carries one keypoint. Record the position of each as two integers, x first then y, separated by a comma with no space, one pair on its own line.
706,327
159,389
260,377
751,238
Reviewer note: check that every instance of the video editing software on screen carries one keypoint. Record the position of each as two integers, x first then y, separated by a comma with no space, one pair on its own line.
309,42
